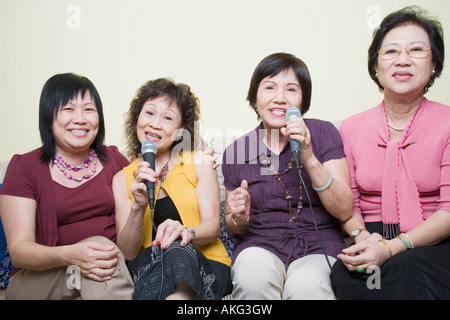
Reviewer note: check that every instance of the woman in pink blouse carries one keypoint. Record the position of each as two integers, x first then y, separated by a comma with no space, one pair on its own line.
399,159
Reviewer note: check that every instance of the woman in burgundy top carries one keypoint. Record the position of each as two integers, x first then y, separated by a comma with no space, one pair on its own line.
280,255
57,205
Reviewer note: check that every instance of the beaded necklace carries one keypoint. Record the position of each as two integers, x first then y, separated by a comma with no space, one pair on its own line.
278,175
163,175
395,128
65,166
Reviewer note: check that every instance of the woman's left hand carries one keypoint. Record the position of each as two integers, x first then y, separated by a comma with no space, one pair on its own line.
169,231
96,261
369,252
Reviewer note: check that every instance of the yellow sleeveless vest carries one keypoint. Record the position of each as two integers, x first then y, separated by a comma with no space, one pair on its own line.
180,185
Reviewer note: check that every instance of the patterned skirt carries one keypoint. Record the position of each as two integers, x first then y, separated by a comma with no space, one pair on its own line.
156,276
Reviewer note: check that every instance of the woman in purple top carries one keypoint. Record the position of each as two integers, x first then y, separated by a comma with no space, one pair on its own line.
280,255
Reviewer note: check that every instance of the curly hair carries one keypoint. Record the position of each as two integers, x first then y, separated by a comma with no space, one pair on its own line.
181,94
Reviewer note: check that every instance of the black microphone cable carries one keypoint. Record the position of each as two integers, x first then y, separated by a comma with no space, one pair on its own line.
315,222
152,213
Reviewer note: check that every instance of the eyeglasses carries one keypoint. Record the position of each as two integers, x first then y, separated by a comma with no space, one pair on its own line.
418,51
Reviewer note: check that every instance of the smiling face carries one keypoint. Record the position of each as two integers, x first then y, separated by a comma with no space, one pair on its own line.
76,125
404,77
158,121
275,95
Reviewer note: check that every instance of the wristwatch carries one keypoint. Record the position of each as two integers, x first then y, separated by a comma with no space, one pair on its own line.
356,232
192,232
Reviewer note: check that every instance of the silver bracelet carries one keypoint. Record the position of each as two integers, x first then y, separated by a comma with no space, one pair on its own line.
239,225
330,179
192,232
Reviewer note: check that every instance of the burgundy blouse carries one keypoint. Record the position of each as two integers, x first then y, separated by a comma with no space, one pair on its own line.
65,215
269,225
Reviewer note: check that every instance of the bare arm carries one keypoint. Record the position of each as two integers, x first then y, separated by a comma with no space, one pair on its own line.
337,197
18,214
208,200
129,216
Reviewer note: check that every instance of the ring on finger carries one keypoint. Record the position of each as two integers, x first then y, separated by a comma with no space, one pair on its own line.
360,268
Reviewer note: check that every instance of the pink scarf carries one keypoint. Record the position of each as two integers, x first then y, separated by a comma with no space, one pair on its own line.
401,207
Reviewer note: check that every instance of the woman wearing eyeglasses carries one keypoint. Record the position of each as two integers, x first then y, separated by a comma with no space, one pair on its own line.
399,158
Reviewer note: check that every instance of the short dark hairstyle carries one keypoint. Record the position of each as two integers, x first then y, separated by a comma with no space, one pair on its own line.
187,103
56,93
409,15
273,65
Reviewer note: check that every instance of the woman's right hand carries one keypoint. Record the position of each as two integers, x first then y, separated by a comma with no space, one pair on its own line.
237,204
96,261
138,187
366,253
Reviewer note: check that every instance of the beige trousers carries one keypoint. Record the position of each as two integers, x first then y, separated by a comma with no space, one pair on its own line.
59,284
260,275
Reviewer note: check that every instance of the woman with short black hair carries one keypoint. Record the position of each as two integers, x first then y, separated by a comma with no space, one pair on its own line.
275,200
57,204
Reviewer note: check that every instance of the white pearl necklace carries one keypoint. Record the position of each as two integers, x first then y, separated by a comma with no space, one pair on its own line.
400,129
395,128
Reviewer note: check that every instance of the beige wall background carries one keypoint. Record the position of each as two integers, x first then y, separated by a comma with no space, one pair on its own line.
211,45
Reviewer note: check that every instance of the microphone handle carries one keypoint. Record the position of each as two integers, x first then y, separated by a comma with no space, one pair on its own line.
150,158
295,149
151,193
296,157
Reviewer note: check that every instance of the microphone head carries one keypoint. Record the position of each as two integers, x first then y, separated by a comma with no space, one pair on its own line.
148,146
292,112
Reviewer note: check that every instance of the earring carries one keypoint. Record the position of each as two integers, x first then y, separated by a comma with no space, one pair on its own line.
433,72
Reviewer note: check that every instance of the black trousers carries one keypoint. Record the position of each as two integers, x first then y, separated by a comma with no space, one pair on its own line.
421,273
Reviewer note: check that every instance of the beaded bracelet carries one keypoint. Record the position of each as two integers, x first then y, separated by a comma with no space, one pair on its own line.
406,241
330,179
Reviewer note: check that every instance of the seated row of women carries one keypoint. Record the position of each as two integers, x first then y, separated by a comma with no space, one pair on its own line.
382,178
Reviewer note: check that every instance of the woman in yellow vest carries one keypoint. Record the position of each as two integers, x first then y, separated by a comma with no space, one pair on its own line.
175,250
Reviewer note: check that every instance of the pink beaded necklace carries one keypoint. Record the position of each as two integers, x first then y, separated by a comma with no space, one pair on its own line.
64,166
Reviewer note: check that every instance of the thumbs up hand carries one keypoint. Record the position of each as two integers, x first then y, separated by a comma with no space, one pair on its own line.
237,206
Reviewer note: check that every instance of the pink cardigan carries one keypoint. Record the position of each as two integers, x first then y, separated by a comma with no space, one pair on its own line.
417,179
